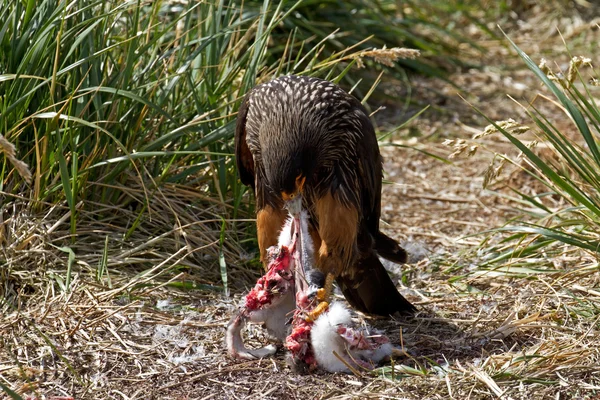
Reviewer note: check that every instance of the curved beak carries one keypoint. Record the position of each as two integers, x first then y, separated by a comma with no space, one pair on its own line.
293,201
294,206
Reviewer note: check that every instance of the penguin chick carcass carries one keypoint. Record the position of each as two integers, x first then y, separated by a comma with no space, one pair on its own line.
271,302
334,331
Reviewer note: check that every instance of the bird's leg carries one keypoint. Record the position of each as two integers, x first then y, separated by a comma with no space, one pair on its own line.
323,296
324,293
270,302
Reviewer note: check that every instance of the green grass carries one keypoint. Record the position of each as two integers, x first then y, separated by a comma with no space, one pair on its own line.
96,94
564,212
429,26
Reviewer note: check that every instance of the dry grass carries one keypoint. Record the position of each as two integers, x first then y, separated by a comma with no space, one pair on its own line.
8,149
149,321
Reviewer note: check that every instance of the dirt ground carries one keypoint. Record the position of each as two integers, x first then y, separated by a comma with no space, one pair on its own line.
477,334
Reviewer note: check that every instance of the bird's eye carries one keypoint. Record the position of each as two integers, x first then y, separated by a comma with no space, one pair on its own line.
292,195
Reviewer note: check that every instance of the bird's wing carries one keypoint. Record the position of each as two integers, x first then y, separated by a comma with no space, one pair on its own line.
366,283
369,175
244,159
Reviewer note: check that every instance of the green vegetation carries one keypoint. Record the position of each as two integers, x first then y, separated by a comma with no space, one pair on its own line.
103,93
423,25
566,214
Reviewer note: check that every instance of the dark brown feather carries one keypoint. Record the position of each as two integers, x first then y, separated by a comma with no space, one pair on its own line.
244,159
387,248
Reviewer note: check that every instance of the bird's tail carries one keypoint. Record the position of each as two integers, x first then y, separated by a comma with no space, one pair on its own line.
372,291
387,248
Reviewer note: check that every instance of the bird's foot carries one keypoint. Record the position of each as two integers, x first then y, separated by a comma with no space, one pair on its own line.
322,294
319,309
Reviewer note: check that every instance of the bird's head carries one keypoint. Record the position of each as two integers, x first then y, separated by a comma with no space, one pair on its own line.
289,173
292,195
291,152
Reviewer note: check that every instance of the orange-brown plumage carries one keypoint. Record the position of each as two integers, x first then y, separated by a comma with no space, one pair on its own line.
337,232
300,137
269,221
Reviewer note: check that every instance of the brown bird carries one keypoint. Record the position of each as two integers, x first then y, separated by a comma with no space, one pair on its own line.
302,139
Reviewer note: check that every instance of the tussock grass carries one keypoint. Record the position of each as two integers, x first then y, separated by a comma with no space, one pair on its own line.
560,154
423,25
